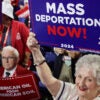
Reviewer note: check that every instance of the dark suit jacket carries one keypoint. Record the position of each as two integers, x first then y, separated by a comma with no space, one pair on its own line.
58,66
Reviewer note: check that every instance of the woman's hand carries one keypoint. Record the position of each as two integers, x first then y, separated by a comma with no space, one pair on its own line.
32,42
34,47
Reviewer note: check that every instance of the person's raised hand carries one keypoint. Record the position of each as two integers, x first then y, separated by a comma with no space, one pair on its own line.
32,42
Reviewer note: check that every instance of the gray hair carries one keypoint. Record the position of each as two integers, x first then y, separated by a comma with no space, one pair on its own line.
91,61
10,48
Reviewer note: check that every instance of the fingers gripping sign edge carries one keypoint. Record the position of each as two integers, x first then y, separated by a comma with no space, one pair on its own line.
32,41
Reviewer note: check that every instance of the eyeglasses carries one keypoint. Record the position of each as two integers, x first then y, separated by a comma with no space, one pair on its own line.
8,58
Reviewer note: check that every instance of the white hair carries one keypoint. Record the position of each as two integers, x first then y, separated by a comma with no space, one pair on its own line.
91,61
10,48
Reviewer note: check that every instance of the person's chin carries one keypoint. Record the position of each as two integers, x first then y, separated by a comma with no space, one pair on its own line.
82,92
8,68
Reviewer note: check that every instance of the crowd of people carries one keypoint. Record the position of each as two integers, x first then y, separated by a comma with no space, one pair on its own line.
14,33
60,74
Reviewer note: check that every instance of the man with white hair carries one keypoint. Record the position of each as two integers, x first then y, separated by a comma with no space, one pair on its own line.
14,33
10,67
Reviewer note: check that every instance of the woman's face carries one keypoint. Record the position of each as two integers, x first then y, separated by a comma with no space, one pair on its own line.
86,82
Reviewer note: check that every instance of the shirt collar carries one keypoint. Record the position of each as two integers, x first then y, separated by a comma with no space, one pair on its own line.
10,71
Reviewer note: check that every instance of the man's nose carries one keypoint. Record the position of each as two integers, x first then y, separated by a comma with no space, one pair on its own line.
7,60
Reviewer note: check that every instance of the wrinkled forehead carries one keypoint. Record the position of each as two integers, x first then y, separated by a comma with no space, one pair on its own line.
85,71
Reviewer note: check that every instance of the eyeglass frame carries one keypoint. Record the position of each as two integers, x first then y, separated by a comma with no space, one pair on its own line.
7,58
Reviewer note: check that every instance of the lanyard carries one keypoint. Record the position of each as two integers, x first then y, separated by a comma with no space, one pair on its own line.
6,36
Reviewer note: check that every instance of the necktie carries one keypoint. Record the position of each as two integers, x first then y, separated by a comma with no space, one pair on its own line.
7,74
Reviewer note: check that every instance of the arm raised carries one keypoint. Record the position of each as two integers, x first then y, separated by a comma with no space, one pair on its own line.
43,69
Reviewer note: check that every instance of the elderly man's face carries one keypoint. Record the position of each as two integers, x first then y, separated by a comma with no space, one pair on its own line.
9,61
86,82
